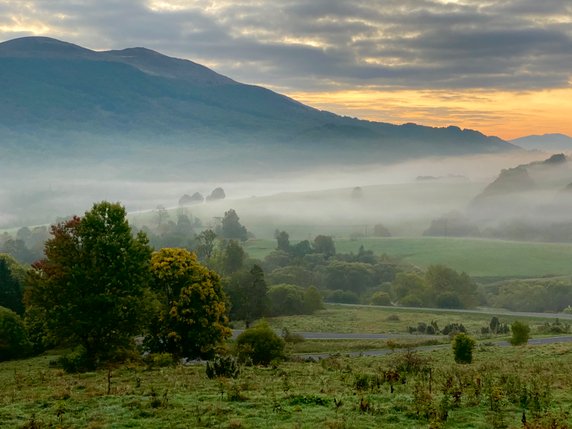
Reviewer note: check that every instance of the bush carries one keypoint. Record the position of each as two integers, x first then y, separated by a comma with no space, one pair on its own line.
312,300
520,333
260,344
223,366
380,298
14,341
76,361
286,300
463,346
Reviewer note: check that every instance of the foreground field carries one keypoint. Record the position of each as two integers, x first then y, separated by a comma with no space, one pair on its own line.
476,257
402,390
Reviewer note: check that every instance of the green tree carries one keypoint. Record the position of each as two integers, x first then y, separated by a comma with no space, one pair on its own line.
206,244
260,344
324,244
494,325
232,257
351,276
286,300
452,290
14,342
191,319
231,229
11,290
282,241
409,285
520,333
380,298
247,291
90,287
463,346
312,300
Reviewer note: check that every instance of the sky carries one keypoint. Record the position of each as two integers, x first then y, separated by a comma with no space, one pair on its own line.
503,67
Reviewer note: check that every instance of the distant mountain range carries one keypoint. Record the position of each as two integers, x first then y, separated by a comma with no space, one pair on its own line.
545,142
58,97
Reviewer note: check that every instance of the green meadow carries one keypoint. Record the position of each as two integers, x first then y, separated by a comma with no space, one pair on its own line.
503,386
476,257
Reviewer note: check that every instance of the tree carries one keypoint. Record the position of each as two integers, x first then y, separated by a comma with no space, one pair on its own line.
312,300
90,287
324,244
380,298
216,194
494,325
13,339
232,258
206,245
11,276
379,230
286,300
260,344
463,346
452,290
231,229
191,319
520,333
282,241
247,291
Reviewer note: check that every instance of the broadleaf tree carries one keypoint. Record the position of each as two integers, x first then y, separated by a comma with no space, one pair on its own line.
192,316
89,289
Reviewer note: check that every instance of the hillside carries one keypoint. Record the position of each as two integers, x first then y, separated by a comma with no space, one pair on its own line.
529,202
58,93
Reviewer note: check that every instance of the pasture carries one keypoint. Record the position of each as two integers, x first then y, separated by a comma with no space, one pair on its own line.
477,257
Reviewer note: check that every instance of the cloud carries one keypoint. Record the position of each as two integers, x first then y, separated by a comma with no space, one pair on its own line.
328,44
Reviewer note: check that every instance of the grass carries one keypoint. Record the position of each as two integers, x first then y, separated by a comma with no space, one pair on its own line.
337,392
372,319
476,257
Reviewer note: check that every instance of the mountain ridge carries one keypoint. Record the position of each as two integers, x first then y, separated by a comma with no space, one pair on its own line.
551,142
61,94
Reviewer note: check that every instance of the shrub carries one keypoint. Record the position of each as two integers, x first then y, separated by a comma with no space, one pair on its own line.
14,341
286,300
380,298
312,300
260,344
76,361
520,333
223,366
463,346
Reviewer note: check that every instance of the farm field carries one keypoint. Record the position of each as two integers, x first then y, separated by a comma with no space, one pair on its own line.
476,257
413,390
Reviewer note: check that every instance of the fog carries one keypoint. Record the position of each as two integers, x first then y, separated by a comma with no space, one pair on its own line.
405,196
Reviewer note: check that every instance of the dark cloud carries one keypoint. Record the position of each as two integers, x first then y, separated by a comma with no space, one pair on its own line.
322,44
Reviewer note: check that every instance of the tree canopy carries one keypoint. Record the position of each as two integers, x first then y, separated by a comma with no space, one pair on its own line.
89,288
192,316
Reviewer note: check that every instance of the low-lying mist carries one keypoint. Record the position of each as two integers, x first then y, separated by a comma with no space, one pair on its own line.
405,196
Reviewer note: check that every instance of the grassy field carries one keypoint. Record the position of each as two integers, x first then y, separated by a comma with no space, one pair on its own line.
402,389
419,390
476,257
381,320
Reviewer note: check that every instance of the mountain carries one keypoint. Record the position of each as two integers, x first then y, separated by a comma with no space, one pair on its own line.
59,97
545,142
136,126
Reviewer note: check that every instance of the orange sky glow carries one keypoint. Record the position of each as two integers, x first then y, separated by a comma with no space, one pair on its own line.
505,114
